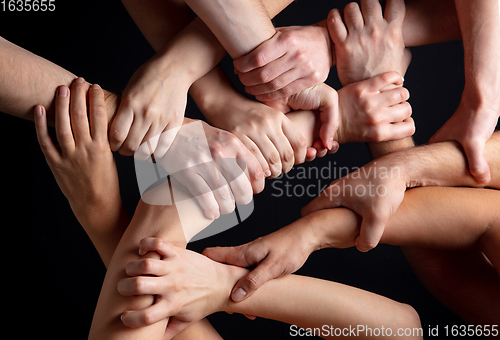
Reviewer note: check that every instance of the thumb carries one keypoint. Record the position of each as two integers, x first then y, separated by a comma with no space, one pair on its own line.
253,280
372,229
230,255
478,166
329,198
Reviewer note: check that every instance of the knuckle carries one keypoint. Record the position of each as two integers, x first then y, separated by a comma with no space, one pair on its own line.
148,317
274,158
253,281
274,85
291,39
259,59
263,76
286,91
288,156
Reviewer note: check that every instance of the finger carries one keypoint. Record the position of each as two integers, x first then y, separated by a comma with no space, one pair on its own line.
265,74
296,140
329,116
372,229
255,151
248,284
275,84
372,11
252,169
395,11
165,141
311,153
121,126
270,153
78,111
237,177
140,285
62,120
353,18
286,151
97,114
135,136
43,137
165,249
398,113
230,255
148,316
377,83
336,27
224,197
205,197
266,52
147,266
290,89
393,96
401,130
478,166
147,149
326,200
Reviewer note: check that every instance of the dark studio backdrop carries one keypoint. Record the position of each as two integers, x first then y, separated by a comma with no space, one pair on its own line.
53,274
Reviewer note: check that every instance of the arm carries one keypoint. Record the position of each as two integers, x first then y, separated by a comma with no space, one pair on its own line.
477,115
28,80
441,164
300,57
302,301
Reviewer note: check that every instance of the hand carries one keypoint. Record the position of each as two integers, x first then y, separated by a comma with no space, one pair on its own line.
187,285
319,97
368,44
269,135
471,126
211,164
369,114
294,59
153,102
274,255
82,163
374,192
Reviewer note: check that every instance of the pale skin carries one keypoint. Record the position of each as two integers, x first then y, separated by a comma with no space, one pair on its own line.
440,218
277,68
72,122
441,164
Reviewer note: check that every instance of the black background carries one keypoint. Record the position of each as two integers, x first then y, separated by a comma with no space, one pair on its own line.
53,274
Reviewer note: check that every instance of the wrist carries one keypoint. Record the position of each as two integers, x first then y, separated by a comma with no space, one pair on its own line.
481,96
322,25
230,275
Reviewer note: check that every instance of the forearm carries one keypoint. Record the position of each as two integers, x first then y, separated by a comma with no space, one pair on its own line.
480,26
240,26
445,164
167,222
308,303
440,218
28,80
381,149
428,22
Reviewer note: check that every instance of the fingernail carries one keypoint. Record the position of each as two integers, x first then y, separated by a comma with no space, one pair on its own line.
267,173
80,80
403,79
63,91
238,295
38,111
330,143
96,87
